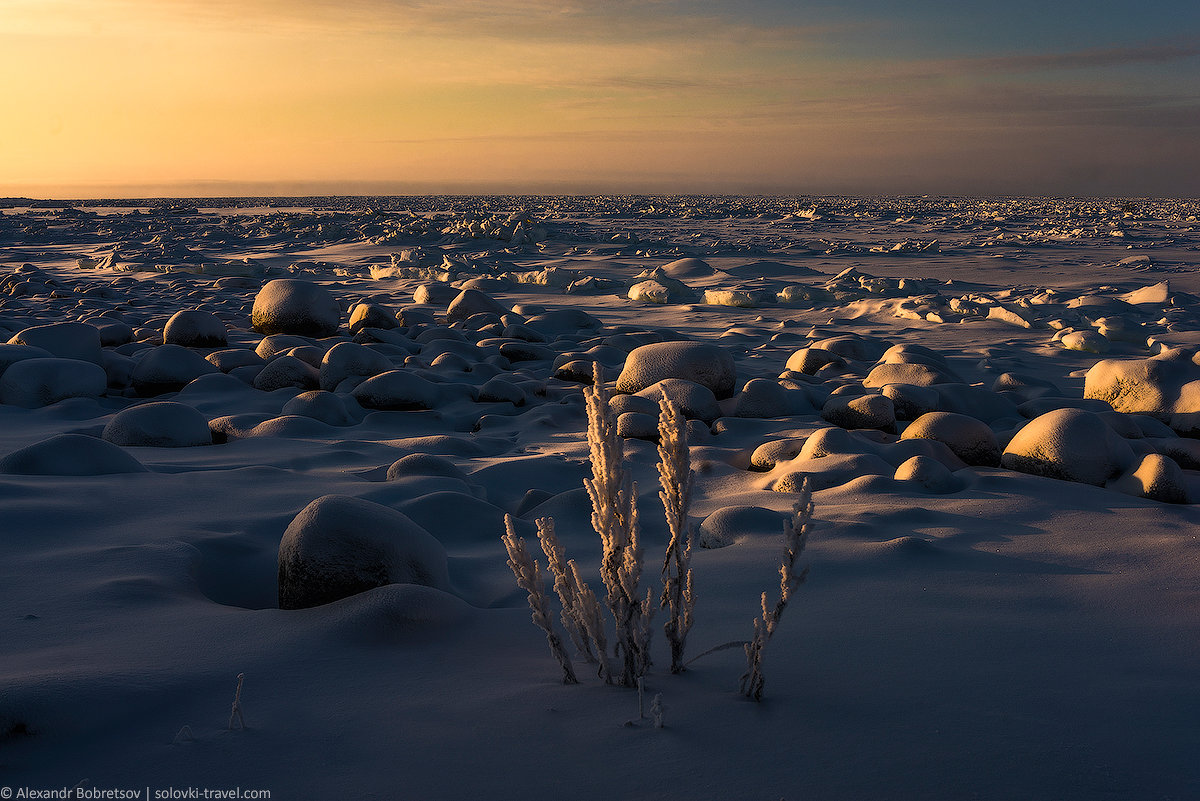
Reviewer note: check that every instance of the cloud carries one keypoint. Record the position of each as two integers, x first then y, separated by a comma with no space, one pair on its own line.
1148,53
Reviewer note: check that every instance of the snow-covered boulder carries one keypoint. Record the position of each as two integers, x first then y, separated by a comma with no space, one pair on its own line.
471,302
168,368
397,390
11,354
762,397
970,439
33,383
347,359
320,405
810,360
699,362
194,328
696,401
1155,477
918,375
424,464
929,474
771,453
435,294
287,371
867,411
339,546
294,306
1069,444
158,425
70,455
63,340
371,315
726,525
1161,385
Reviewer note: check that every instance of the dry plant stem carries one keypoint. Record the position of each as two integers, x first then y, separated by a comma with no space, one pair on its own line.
614,517
592,619
675,477
566,585
795,532
235,714
529,578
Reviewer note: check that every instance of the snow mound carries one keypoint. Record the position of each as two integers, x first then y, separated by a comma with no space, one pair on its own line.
866,411
168,368
346,359
930,474
701,363
970,439
1068,444
63,340
1164,384
1155,477
33,383
397,390
471,302
287,371
764,398
371,315
11,354
696,401
339,546
158,425
320,405
70,455
687,268
295,306
729,524
195,329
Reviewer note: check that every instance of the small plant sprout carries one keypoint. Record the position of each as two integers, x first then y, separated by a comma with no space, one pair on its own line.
675,477
529,578
235,714
657,710
795,532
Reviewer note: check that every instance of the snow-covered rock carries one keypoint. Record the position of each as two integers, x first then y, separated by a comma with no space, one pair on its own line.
33,383
970,439
1069,444
163,424
295,306
194,328
168,368
339,546
70,455
63,340
699,362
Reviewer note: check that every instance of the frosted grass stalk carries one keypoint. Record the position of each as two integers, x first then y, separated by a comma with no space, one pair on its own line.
675,477
795,533
614,517
529,578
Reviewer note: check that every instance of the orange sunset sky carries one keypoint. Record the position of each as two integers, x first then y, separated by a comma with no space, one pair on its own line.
219,97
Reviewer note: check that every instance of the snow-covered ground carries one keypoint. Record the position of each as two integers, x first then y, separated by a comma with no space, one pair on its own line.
1004,597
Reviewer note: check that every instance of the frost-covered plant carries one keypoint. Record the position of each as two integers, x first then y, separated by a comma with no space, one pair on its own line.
235,714
658,711
529,578
795,533
567,586
614,517
675,477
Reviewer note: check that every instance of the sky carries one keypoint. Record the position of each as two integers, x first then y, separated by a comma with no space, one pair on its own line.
129,98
